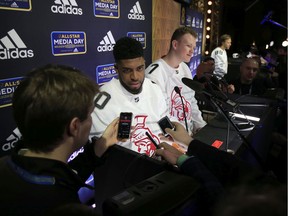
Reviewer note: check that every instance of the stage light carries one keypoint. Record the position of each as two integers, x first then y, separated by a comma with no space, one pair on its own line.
207,36
285,43
208,28
267,46
209,2
208,20
206,52
271,43
209,11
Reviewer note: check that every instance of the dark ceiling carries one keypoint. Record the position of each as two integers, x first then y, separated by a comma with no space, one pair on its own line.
242,18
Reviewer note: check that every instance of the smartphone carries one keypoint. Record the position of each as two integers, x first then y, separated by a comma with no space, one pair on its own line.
152,140
124,126
165,123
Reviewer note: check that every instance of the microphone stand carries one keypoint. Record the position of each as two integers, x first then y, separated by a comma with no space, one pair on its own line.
230,122
185,118
178,91
210,83
216,100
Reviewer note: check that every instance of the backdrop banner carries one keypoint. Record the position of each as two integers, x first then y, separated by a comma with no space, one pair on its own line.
195,20
78,33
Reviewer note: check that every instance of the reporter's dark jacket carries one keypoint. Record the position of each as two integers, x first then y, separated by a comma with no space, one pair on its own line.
31,186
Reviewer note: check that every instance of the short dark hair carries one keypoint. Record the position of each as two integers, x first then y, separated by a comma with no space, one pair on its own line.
47,100
127,48
179,32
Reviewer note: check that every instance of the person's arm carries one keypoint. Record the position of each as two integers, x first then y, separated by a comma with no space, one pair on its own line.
220,67
86,161
197,119
226,167
99,122
108,138
210,187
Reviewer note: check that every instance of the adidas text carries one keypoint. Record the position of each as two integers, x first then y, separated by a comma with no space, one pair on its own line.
62,9
105,48
136,16
15,53
10,145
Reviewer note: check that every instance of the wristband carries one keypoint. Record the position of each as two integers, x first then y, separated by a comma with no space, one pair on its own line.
181,159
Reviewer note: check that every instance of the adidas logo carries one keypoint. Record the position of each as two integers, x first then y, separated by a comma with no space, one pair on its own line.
14,5
66,7
136,12
13,47
107,44
11,140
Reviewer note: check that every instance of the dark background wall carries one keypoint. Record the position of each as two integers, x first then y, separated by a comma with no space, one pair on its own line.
241,19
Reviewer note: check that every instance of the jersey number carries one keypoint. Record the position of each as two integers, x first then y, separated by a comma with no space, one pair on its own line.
153,66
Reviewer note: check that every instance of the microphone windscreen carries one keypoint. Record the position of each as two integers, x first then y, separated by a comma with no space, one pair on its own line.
196,86
177,90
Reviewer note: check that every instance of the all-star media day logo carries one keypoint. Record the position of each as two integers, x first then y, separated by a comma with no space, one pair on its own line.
20,5
66,7
7,88
11,140
139,36
105,73
13,47
107,8
136,12
68,43
107,44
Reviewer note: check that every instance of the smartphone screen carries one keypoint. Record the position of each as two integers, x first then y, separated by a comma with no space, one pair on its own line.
124,127
165,123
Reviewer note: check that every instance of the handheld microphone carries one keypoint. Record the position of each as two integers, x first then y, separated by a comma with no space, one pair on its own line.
178,91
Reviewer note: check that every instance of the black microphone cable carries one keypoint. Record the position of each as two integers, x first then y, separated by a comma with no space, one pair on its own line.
178,91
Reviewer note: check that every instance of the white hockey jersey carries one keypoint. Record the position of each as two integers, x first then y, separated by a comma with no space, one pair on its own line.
147,108
167,78
221,62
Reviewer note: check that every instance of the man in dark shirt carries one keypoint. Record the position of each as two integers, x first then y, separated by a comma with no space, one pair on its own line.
52,108
249,81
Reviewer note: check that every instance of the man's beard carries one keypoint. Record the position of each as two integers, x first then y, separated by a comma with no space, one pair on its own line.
132,91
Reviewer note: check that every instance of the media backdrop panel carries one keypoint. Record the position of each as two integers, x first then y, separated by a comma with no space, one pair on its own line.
71,32
195,20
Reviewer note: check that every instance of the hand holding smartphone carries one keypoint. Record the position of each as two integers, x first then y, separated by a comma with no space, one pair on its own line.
165,123
124,126
152,140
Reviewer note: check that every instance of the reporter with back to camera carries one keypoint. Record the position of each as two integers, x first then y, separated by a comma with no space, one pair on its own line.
52,108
